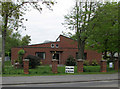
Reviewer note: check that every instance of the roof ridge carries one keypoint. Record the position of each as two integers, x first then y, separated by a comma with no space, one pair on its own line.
67,37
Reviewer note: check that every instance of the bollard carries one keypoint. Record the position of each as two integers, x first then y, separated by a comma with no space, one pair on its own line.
26,66
54,66
103,66
79,65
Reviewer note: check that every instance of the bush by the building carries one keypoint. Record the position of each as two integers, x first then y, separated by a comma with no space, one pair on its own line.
94,63
34,61
70,61
86,63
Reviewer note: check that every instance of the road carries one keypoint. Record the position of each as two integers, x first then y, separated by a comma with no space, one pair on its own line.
111,83
58,79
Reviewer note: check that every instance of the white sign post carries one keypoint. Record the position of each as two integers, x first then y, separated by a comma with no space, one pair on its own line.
110,65
69,69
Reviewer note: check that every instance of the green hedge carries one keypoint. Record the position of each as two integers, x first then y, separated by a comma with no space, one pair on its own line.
8,63
91,68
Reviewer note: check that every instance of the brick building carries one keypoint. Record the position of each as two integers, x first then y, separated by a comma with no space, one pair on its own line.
61,49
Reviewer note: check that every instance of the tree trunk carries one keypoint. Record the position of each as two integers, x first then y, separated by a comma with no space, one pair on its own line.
4,32
119,59
105,55
112,56
105,43
81,44
81,47
79,50
118,56
3,49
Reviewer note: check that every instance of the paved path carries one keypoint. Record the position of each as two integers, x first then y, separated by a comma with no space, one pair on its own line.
58,79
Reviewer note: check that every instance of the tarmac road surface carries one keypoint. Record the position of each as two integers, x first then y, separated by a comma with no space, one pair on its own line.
112,83
89,80
58,79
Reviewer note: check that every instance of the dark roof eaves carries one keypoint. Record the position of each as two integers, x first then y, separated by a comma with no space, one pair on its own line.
34,44
48,47
44,43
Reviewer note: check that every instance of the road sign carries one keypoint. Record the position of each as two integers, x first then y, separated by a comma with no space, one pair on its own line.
69,69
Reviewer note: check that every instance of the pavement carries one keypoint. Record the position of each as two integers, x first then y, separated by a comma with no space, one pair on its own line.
58,79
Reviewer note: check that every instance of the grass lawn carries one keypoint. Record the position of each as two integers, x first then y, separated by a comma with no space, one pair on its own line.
47,70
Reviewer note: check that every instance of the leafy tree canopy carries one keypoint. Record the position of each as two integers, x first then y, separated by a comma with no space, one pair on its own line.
104,35
14,39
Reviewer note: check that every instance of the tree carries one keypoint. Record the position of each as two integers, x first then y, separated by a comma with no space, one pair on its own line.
104,36
78,20
21,54
14,39
25,40
12,13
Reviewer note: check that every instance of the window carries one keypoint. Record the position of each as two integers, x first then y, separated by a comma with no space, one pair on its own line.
57,46
41,55
85,55
52,45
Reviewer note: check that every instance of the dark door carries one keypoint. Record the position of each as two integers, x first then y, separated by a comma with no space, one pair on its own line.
56,56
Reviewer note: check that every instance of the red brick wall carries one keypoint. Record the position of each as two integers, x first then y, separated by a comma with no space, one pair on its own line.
66,45
14,54
67,42
32,51
91,55
63,56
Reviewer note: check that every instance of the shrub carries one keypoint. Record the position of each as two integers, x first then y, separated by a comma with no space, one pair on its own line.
86,63
70,61
16,61
94,63
21,52
34,61
41,63
20,56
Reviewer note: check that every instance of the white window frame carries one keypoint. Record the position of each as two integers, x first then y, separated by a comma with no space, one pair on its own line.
52,45
57,46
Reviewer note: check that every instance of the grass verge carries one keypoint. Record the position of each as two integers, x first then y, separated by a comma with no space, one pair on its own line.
47,70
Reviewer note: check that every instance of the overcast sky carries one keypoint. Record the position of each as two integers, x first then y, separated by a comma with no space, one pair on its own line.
47,25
